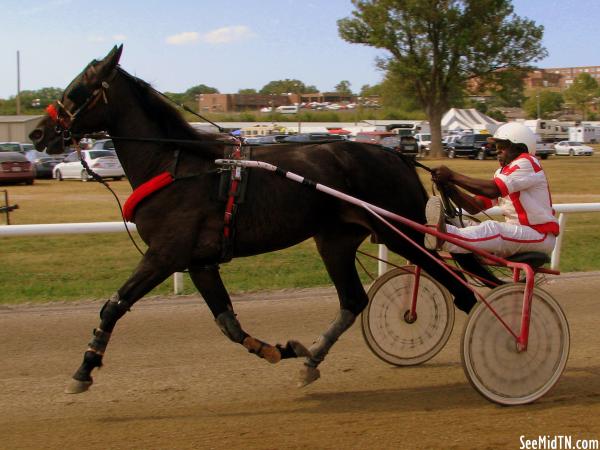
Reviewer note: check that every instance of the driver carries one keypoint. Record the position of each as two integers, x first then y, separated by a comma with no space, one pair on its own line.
519,187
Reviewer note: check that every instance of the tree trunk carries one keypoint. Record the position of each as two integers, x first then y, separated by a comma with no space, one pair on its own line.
435,124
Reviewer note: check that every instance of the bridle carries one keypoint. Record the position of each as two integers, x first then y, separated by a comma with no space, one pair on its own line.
64,118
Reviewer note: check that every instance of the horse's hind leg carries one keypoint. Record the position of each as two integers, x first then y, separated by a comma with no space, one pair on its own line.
338,250
149,273
208,282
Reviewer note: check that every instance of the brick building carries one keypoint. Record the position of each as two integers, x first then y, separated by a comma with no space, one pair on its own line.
243,102
561,77
252,102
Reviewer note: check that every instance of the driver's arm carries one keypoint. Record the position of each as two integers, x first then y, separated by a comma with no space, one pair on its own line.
488,188
471,204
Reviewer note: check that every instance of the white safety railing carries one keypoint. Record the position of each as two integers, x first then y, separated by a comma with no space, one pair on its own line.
562,210
79,228
117,227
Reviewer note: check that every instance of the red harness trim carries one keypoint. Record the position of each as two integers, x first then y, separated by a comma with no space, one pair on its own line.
143,191
236,176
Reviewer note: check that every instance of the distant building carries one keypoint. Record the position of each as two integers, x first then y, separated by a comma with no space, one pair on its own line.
253,102
561,77
542,78
243,102
17,128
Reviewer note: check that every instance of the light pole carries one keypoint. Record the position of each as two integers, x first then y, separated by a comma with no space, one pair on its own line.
18,100
537,97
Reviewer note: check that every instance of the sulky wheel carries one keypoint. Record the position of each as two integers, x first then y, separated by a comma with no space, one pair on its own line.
389,331
489,353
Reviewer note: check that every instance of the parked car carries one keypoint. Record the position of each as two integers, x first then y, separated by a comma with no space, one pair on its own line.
449,140
407,145
314,137
472,146
103,144
573,148
372,137
15,168
15,147
266,140
104,162
43,163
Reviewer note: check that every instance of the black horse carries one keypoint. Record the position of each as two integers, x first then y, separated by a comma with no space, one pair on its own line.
183,223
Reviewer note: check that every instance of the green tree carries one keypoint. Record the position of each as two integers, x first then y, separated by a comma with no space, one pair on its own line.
583,90
548,102
248,91
343,88
438,47
200,89
279,87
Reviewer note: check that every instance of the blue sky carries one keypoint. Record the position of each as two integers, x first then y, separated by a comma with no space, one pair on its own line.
231,44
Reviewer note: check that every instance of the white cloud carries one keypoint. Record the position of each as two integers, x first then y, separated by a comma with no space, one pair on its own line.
226,35
119,37
187,37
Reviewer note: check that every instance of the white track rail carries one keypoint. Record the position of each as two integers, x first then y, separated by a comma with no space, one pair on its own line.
118,227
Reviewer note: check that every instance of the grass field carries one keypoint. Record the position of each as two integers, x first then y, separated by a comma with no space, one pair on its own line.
56,268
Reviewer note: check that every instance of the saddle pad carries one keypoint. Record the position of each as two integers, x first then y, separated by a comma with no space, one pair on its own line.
143,191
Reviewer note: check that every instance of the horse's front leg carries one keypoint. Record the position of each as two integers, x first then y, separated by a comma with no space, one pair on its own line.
208,282
338,250
151,271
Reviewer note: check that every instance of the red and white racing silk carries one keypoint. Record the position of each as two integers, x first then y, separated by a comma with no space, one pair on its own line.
527,208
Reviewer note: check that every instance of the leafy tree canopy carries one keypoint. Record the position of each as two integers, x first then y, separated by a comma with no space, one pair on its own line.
201,89
343,88
583,90
549,102
248,91
279,87
437,46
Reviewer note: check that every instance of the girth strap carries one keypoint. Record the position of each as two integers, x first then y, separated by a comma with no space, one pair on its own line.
232,190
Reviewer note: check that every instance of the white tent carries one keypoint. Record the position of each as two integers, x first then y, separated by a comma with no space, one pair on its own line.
468,120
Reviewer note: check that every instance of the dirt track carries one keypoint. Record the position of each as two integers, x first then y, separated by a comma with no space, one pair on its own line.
172,380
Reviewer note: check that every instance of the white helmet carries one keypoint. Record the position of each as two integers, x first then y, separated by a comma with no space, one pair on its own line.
517,133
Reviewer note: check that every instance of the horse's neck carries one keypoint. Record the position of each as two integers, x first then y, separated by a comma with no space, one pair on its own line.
142,161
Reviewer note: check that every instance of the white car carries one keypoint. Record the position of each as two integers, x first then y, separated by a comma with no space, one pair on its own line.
104,162
573,148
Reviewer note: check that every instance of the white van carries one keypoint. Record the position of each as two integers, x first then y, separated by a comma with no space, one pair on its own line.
290,109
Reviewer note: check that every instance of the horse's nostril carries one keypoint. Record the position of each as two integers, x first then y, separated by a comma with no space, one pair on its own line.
36,135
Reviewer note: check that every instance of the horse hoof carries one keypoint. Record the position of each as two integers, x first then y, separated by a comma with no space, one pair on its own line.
299,349
77,387
308,375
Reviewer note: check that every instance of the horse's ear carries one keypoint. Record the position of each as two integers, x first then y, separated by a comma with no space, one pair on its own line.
96,73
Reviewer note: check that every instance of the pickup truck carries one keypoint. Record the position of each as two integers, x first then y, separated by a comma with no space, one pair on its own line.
544,149
472,146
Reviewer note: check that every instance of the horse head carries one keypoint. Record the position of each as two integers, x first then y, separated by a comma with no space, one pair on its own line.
82,108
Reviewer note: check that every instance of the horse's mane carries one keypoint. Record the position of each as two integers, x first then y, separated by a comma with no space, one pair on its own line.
168,118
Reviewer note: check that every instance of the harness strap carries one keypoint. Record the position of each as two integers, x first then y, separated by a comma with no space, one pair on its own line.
231,205
143,191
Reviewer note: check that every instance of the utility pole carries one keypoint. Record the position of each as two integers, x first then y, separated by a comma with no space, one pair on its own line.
18,99
537,96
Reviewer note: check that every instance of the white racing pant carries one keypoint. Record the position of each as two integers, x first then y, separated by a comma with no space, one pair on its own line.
500,238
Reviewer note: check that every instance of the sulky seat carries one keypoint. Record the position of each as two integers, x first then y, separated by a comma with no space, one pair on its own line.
534,259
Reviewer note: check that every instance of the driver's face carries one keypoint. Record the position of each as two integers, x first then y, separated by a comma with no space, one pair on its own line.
505,154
